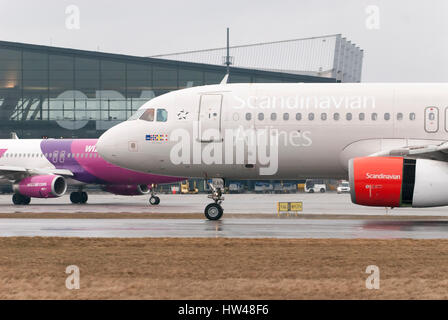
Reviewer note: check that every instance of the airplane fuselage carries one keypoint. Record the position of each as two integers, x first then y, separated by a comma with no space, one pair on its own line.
276,131
78,156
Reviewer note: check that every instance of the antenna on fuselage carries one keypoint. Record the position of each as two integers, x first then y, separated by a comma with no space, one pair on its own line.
14,136
225,79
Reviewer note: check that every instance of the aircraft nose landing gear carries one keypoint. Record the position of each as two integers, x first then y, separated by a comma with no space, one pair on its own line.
154,200
214,211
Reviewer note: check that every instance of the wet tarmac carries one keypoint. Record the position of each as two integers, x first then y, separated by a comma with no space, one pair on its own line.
244,227
328,203
227,228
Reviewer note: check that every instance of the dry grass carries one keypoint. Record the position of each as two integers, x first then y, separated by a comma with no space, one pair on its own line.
34,268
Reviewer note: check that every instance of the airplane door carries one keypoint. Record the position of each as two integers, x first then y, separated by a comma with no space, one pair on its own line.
55,156
446,119
210,118
431,119
62,157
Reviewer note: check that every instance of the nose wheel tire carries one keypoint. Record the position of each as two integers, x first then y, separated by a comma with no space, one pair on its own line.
79,197
154,200
18,199
213,211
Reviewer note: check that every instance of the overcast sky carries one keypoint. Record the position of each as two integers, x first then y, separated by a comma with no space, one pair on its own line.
409,41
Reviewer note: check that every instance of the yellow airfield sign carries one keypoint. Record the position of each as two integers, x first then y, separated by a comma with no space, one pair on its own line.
289,207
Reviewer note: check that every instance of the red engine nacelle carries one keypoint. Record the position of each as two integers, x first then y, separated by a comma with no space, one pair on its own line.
128,190
45,186
398,182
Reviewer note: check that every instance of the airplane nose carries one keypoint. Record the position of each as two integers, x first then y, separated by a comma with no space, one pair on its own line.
107,145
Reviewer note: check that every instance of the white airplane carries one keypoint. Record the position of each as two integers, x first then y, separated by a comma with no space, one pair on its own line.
389,140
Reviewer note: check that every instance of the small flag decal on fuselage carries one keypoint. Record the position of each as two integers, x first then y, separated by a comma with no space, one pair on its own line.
157,137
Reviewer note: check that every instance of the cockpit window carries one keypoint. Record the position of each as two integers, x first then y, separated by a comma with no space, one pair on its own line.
148,115
162,115
137,115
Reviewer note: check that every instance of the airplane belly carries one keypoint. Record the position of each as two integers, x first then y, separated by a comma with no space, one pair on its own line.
287,162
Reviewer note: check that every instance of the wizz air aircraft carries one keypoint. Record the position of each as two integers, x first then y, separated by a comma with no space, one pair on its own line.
389,140
44,168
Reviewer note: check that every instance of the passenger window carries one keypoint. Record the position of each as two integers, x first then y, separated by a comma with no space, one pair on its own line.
374,116
336,116
273,116
261,116
362,116
412,116
323,116
432,116
248,116
298,116
148,115
311,116
387,116
162,115
399,116
349,116
286,116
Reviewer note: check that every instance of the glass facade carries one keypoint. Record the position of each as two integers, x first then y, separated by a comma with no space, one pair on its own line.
55,92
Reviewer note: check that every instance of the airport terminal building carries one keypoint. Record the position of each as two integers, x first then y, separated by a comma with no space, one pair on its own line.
58,92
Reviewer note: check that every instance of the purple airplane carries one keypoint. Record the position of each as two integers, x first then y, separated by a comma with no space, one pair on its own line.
44,169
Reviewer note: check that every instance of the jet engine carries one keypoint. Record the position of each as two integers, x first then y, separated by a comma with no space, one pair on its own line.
43,186
398,182
128,190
